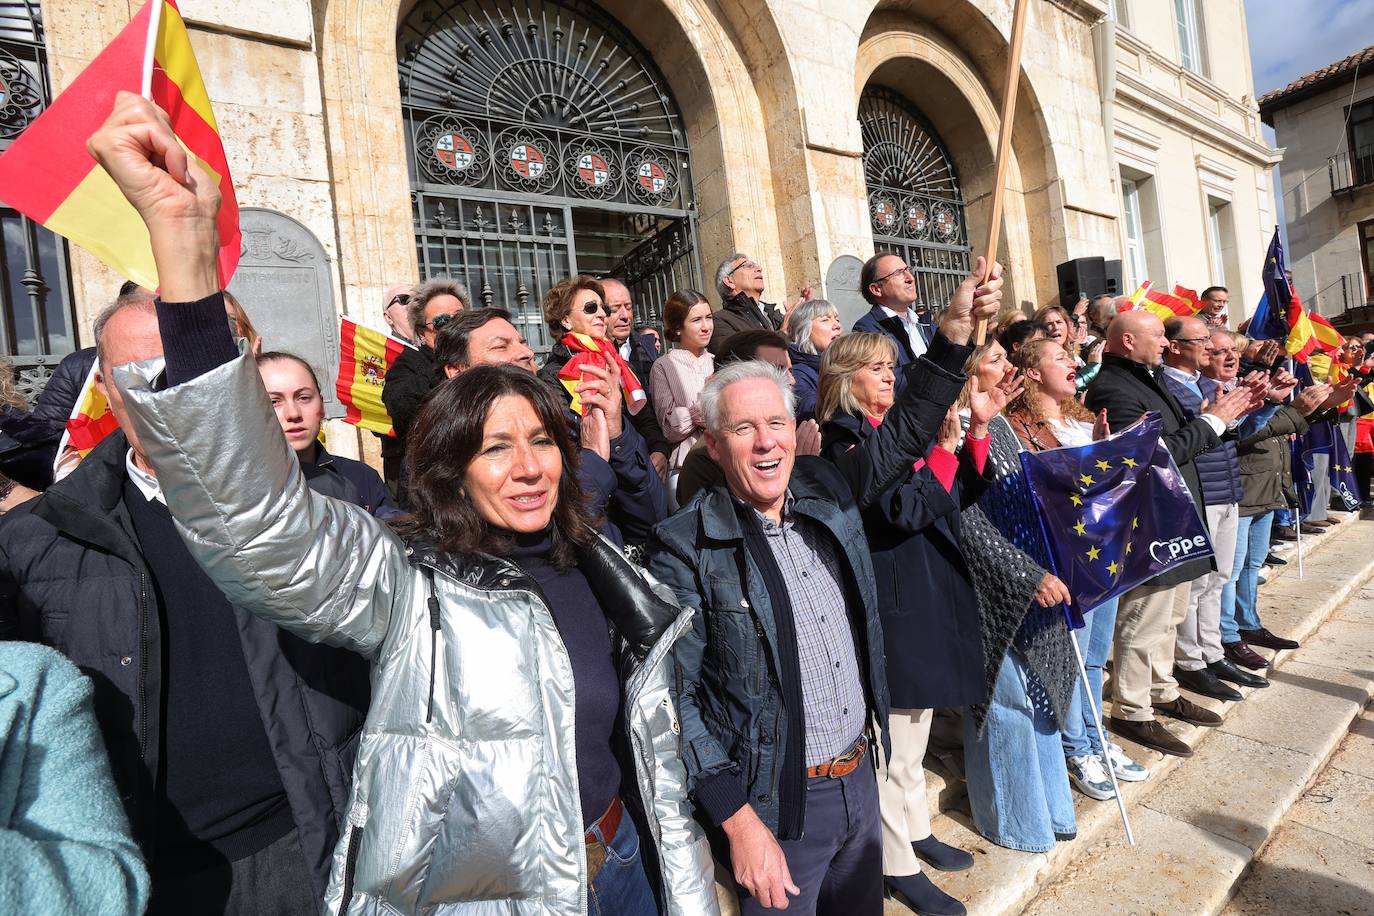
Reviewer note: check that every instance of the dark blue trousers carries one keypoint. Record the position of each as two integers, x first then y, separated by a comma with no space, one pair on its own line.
838,862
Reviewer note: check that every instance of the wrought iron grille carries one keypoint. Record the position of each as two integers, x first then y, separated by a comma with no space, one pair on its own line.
543,142
36,320
914,204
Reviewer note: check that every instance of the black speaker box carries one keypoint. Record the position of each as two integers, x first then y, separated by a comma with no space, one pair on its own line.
1081,277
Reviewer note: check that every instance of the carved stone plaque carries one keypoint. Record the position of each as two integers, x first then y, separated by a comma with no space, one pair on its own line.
283,283
842,289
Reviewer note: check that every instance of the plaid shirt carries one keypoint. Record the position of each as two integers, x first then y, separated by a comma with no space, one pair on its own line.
832,690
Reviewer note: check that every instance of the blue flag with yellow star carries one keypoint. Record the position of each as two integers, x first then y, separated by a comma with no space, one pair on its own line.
1115,513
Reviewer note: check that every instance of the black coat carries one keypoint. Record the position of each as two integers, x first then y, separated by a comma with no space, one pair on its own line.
28,441
408,382
72,576
926,600
741,313
1127,390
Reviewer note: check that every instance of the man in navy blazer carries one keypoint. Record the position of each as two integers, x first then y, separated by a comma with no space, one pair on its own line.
889,286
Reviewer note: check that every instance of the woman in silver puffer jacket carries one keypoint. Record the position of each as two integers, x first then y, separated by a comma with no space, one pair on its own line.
521,736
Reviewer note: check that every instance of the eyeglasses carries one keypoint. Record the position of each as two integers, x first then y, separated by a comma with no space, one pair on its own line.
591,308
440,320
1183,340
398,299
743,264
899,271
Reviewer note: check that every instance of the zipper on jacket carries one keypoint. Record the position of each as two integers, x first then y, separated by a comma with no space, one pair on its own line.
433,640
761,667
350,865
143,665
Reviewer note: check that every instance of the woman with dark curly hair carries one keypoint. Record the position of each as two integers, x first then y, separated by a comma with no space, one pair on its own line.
521,738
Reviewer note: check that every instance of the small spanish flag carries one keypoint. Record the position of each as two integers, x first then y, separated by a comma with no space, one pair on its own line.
91,419
1168,306
598,352
47,175
1310,333
366,357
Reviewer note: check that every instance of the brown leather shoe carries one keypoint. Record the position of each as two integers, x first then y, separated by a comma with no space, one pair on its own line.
1150,734
1311,528
1320,523
1243,655
1283,533
1186,710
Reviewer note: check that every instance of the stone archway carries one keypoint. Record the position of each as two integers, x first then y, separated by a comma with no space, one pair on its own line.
692,42
922,64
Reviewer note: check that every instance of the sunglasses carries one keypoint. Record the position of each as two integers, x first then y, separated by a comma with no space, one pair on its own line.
441,320
398,299
591,308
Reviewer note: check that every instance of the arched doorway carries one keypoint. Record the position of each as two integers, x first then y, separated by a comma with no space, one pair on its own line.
915,206
542,142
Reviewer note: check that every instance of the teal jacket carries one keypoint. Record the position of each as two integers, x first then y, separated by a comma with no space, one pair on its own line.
65,845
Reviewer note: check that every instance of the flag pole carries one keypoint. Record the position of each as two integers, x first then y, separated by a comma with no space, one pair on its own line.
1101,737
1018,33
1297,527
150,47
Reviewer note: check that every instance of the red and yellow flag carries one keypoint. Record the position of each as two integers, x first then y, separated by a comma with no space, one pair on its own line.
1310,334
47,174
598,352
91,419
1167,306
366,357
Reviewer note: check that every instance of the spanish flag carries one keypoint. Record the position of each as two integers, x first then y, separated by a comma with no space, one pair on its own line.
595,351
366,357
47,175
91,419
1310,333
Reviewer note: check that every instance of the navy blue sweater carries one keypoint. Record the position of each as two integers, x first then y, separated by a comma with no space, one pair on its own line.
1218,468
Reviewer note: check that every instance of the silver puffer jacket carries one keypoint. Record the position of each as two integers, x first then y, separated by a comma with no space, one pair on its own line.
476,810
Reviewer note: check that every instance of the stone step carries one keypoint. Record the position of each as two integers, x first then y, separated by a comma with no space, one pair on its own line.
1336,564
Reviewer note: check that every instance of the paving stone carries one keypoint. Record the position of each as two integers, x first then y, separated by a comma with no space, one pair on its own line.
1302,709
1344,645
1306,872
1235,788
1174,868
1339,803
1356,753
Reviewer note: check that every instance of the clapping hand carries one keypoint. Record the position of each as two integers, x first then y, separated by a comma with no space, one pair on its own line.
984,405
1101,428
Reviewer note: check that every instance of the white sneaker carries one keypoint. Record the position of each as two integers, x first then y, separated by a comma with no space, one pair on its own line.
1126,769
1087,774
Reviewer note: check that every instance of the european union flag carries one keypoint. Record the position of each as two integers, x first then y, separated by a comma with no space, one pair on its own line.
1115,513
1270,321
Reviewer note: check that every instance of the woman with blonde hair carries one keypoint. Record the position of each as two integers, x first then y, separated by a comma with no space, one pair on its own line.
1047,415
929,612
1068,330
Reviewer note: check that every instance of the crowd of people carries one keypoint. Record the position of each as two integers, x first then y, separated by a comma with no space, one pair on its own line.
662,608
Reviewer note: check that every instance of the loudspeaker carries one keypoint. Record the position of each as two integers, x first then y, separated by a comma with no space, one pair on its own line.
1112,280
1081,277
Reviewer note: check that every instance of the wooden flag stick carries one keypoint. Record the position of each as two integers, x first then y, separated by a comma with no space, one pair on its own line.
1018,33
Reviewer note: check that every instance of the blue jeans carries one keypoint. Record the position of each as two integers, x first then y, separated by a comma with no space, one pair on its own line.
1252,546
1018,785
621,888
1095,642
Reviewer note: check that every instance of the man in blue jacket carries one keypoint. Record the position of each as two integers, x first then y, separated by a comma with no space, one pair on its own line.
783,674
888,285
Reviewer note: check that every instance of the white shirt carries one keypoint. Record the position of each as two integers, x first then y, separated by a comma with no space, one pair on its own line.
147,484
1072,433
913,328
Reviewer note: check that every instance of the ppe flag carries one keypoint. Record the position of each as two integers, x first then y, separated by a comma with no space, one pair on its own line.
47,175
1342,471
365,357
1115,513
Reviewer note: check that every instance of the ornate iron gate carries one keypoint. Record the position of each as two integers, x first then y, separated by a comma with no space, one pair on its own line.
914,203
37,327
543,142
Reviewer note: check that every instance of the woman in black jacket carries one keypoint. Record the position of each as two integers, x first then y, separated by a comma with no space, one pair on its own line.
926,600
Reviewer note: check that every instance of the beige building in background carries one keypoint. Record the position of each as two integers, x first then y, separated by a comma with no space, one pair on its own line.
1325,123
507,142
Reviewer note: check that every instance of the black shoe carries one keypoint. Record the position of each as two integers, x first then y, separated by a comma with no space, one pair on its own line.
1185,710
1283,533
1267,640
1229,672
1275,560
1206,683
918,892
1150,734
1065,837
942,856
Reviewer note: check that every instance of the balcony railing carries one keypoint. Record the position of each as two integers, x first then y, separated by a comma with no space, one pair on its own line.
1351,169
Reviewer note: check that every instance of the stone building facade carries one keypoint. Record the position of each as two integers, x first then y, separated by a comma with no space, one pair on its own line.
507,142
1324,121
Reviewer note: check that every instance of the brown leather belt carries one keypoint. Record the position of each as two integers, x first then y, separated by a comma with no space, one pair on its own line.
608,824
842,765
